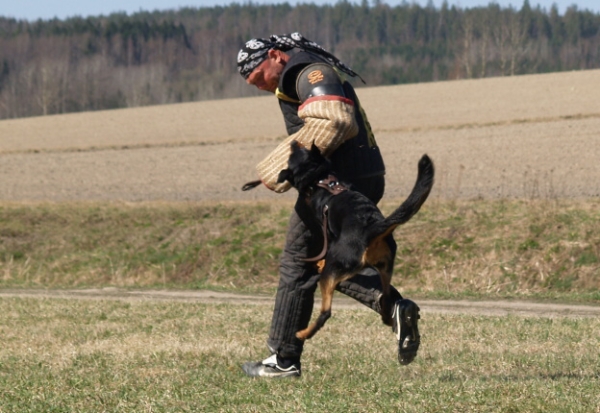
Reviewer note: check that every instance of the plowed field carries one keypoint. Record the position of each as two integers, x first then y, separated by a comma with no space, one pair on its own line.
515,137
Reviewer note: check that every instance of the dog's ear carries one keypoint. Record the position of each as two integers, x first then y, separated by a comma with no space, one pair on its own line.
314,150
295,146
284,175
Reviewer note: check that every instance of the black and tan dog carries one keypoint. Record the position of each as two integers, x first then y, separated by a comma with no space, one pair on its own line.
354,228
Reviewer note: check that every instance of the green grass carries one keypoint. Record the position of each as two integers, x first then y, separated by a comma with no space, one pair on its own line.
139,356
178,245
539,249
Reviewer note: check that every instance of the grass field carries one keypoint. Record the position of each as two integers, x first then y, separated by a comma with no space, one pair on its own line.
127,355
139,356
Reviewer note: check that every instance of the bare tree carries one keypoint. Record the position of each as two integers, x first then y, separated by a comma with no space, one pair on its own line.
485,25
468,43
500,35
517,36
49,79
142,85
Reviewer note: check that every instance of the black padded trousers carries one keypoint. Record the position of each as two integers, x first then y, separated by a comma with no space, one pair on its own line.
294,300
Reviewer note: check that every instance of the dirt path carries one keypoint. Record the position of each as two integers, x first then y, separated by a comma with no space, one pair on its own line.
488,308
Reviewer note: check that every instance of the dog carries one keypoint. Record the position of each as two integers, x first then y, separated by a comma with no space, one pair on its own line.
354,229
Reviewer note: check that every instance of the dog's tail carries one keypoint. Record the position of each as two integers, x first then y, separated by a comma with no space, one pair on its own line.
411,205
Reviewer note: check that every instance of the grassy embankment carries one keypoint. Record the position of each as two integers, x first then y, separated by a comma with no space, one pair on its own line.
535,248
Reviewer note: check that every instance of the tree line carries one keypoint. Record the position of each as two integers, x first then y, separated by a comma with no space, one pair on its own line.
189,54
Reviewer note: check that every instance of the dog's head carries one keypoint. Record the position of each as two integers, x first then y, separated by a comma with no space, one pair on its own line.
305,167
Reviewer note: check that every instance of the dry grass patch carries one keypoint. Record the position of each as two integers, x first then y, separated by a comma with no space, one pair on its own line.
192,245
507,248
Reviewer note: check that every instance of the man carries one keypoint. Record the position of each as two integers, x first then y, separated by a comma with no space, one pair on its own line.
319,107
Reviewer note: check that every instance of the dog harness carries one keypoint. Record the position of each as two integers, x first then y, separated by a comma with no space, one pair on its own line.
334,187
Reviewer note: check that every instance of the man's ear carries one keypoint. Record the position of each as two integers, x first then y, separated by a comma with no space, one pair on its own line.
275,54
284,175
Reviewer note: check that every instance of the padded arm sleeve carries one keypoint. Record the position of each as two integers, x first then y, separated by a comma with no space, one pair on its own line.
328,122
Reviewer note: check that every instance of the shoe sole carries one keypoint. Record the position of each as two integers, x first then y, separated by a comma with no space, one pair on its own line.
408,320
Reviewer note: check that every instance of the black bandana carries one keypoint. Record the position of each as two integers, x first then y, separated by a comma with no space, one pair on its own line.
256,51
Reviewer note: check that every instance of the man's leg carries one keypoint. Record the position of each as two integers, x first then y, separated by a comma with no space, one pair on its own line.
293,305
366,288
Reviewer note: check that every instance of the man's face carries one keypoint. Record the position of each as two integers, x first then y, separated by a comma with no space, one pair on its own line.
266,75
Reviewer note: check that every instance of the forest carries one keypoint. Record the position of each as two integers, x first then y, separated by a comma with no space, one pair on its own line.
189,54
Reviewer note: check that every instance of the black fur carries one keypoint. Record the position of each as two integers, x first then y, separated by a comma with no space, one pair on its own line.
356,228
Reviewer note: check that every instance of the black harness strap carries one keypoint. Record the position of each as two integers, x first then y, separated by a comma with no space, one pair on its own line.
324,250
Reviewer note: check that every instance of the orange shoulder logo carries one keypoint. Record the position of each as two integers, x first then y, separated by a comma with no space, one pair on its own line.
315,76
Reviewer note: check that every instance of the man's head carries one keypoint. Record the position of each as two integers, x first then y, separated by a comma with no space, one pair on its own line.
261,63
267,58
266,75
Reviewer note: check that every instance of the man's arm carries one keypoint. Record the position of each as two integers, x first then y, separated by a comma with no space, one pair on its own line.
328,118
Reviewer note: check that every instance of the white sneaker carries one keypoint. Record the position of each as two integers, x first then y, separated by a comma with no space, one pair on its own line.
269,368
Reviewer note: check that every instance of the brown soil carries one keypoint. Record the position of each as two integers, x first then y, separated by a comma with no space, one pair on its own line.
520,137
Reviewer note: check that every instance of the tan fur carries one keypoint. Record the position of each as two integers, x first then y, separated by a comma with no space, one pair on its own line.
377,255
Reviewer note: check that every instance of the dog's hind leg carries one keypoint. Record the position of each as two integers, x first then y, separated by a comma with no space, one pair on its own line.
327,285
379,255
386,310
